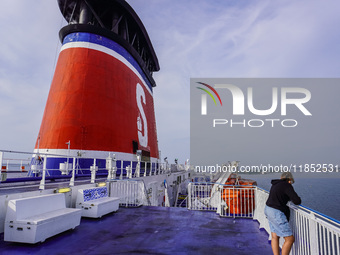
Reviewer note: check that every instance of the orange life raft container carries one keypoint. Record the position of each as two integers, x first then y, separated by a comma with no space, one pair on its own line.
239,196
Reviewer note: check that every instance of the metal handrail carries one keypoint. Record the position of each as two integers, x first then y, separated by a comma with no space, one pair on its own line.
186,198
42,173
315,232
146,194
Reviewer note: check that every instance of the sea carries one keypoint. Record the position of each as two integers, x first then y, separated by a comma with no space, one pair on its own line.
318,191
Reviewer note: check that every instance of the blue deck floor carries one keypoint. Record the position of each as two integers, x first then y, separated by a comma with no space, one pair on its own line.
153,230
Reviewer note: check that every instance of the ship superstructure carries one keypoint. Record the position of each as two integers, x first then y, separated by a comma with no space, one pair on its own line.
100,116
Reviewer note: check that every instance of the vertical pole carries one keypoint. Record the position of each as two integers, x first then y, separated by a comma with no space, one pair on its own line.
256,204
131,169
1,157
167,200
121,169
128,169
74,164
313,234
42,182
109,167
73,172
93,171
234,206
68,155
114,167
137,172
189,195
144,169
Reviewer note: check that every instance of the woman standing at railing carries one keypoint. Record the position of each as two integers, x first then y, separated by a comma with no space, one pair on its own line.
277,212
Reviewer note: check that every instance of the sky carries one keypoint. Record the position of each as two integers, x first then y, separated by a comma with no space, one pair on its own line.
192,39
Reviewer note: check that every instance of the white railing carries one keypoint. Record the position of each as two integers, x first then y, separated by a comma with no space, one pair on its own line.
199,197
16,164
314,232
261,197
131,193
228,201
141,169
238,201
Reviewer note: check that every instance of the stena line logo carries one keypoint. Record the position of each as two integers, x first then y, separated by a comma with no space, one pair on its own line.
240,101
142,124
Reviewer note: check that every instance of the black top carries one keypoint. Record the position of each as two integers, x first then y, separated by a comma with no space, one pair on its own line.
280,193
115,20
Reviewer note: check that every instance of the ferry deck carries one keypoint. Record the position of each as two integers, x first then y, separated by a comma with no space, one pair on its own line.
199,228
153,230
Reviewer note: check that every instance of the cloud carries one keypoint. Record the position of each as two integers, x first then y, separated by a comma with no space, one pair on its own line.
28,49
242,39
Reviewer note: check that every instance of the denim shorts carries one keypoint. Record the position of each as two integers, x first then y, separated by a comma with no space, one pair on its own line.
278,222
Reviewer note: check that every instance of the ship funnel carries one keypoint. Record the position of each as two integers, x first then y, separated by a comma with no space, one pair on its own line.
101,96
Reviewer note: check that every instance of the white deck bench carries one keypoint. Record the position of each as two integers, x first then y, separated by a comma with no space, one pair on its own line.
95,202
33,219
